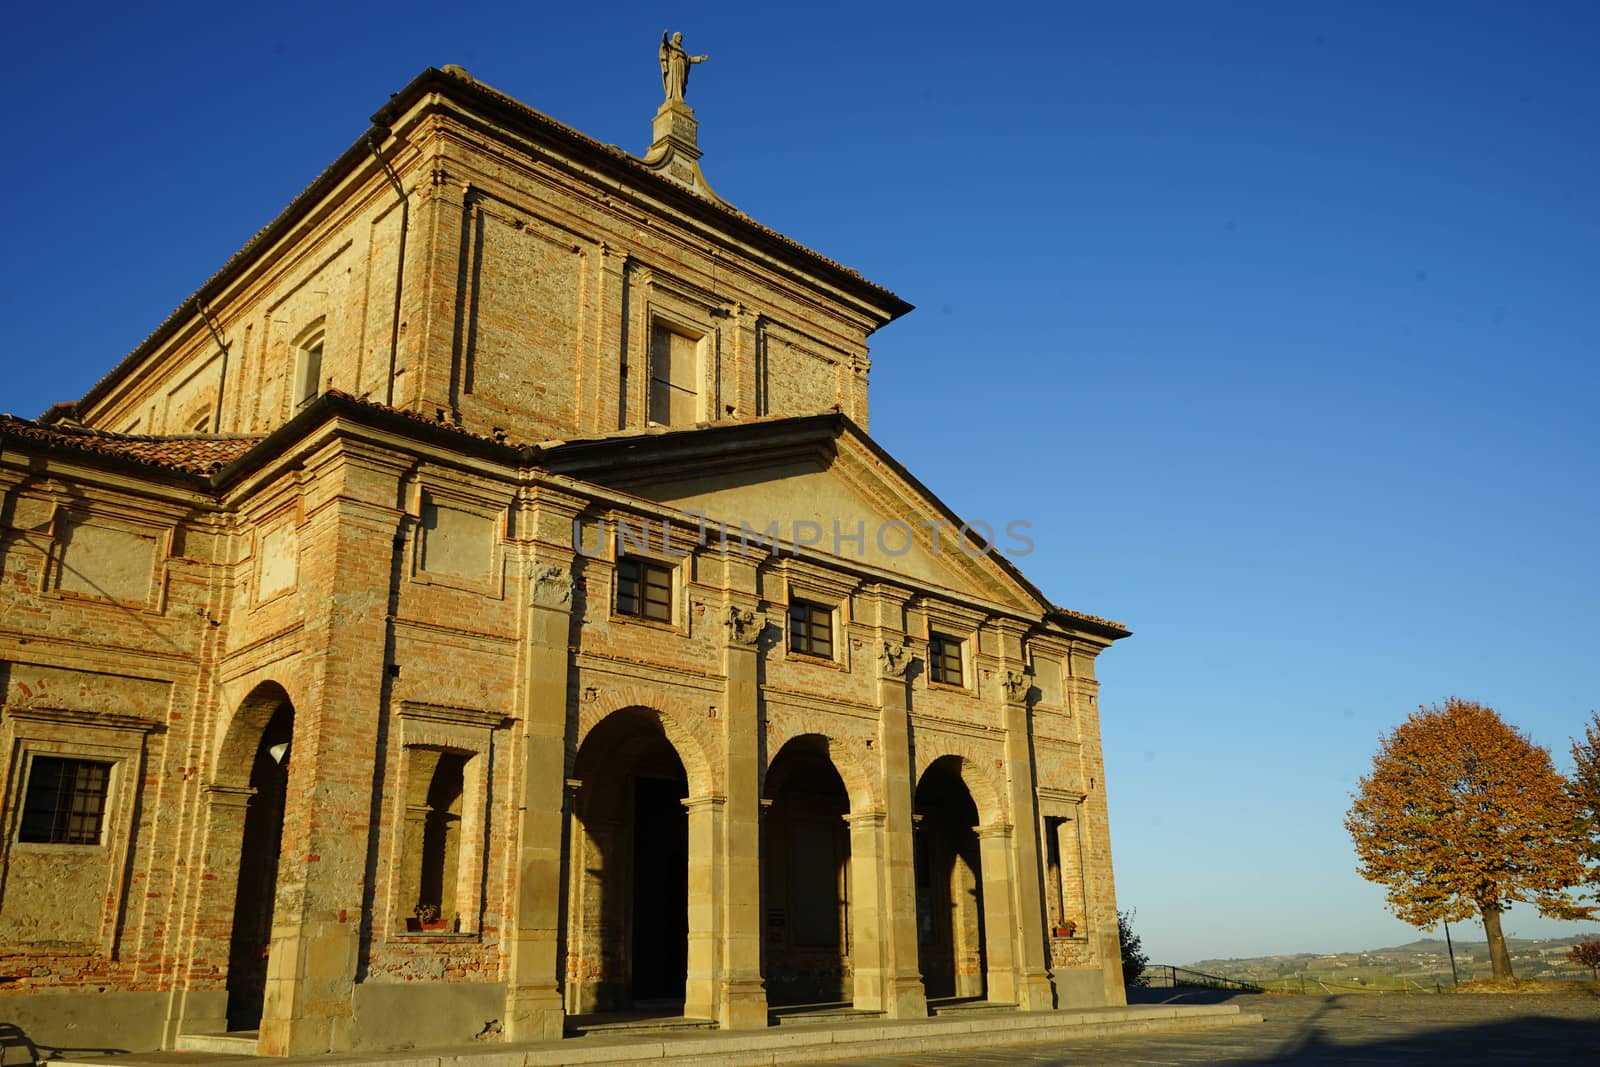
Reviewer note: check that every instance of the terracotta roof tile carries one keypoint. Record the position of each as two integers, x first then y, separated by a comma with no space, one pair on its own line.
199,454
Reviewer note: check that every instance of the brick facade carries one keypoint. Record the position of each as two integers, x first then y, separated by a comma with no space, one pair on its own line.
334,575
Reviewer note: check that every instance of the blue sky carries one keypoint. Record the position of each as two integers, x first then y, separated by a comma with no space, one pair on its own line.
1284,315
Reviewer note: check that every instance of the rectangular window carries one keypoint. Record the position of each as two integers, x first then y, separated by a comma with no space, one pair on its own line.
944,659
66,801
674,378
644,589
811,629
308,375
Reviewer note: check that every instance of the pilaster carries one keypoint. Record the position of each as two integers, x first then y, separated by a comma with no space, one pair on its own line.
742,1000
607,402
1034,988
904,994
1095,827
533,929
441,224
349,578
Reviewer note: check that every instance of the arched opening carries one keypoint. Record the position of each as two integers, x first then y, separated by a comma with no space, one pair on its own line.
950,927
431,852
628,915
259,850
805,871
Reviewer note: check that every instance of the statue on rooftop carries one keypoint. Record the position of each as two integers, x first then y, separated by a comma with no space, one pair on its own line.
675,63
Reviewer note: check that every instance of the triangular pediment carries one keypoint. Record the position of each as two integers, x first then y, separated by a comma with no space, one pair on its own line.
815,481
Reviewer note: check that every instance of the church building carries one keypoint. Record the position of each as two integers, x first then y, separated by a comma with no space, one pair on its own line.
482,607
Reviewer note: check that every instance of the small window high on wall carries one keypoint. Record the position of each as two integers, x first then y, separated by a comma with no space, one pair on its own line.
308,373
674,377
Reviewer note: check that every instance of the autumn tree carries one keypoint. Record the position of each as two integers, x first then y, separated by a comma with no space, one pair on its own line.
1462,815
1585,789
1586,953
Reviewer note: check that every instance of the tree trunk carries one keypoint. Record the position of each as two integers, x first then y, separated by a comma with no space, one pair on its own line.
1499,958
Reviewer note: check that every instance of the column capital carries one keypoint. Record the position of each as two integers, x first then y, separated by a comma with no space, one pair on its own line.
866,818
894,657
1016,686
229,796
745,625
552,586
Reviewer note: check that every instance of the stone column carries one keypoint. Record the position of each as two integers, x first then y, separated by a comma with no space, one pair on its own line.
1034,989
999,914
707,906
904,995
869,918
742,1001
532,933
349,578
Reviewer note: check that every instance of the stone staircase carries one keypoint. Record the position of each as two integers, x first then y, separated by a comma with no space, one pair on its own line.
663,1042
236,1043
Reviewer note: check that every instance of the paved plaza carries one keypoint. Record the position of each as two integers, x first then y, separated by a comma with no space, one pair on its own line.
1350,1029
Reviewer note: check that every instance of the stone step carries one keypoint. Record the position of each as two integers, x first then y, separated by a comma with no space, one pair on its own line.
945,1008
819,1015
781,1045
237,1043
700,1046
585,1025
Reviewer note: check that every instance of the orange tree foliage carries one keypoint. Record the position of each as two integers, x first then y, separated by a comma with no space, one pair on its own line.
1586,792
1586,953
1463,814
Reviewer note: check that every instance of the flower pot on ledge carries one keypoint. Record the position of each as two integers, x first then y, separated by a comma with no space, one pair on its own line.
1067,930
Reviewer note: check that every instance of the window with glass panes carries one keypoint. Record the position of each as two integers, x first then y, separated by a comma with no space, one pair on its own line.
944,659
66,801
644,589
811,629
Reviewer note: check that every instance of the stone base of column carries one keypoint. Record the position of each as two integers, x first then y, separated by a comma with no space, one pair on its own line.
295,1037
866,989
743,1006
906,1000
1035,992
534,1014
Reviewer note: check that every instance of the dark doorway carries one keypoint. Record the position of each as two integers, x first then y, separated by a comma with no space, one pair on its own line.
950,947
627,914
660,889
805,868
258,873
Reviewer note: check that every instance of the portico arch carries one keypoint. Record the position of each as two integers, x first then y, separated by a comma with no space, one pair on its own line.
681,723
806,874
248,801
629,916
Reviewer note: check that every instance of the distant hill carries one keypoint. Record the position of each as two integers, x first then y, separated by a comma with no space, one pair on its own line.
1425,961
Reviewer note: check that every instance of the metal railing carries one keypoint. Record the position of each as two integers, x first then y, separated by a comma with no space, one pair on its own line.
1166,976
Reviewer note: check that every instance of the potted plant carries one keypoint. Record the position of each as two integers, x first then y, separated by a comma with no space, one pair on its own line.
1066,929
425,917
